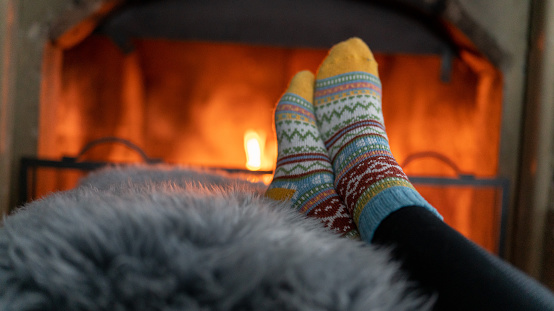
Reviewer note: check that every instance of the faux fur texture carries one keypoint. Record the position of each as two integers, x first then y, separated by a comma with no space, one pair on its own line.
159,238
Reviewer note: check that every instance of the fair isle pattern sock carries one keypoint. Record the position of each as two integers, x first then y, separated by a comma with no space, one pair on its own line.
304,173
348,111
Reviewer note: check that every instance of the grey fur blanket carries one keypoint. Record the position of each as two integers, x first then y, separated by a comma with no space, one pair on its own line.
159,238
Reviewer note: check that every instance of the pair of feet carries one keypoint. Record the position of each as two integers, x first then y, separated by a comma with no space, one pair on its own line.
334,161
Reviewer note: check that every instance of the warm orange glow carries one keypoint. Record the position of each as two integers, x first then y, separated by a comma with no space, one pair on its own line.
253,147
259,155
192,103
265,178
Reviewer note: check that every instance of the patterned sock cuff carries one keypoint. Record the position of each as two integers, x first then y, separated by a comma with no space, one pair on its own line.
386,202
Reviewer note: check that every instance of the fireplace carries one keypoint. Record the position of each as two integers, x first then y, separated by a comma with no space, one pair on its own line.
192,102
191,81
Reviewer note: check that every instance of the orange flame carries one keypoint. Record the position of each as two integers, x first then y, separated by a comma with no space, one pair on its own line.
253,146
257,157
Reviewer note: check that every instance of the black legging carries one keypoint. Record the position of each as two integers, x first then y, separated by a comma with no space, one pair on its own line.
463,275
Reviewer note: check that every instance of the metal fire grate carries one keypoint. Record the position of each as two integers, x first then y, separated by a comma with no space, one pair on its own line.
29,166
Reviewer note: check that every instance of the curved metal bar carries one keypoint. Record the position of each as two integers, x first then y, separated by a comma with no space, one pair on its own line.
111,139
432,154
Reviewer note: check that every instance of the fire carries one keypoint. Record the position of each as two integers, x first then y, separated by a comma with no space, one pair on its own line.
258,156
253,146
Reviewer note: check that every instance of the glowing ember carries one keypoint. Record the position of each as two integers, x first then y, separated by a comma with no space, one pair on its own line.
253,146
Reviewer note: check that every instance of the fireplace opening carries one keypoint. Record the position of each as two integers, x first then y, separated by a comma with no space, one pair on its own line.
193,103
209,103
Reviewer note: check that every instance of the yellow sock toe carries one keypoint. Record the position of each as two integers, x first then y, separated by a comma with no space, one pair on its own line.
348,56
302,84
280,194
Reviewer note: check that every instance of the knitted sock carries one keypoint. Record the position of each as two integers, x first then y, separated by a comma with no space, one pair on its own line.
348,111
304,173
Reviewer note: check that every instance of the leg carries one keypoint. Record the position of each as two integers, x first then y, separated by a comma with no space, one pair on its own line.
465,276
389,211
348,111
304,173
